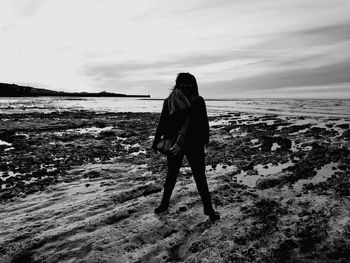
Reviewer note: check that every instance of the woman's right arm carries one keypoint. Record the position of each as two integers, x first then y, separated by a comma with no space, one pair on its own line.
205,124
161,125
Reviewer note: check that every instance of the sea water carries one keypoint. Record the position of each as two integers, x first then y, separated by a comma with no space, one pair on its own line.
337,108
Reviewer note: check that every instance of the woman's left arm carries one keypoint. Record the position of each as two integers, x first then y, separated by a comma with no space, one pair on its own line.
161,125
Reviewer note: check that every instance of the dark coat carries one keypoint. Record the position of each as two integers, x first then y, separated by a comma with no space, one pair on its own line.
198,129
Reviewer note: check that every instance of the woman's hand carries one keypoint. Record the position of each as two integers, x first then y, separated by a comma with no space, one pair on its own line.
154,148
175,149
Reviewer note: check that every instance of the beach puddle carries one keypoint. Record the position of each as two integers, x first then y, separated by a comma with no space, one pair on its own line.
262,170
23,134
219,122
220,168
5,143
334,127
90,130
4,176
254,141
275,146
129,146
34,179
299,132
24,178
138,153
9,149
322,175
297,147
237,132
269,168
268,122
244,178
49,167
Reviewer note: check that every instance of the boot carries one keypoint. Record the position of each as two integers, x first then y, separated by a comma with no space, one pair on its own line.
161,208
213,215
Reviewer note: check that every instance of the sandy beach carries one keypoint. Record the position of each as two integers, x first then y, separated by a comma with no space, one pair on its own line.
81,186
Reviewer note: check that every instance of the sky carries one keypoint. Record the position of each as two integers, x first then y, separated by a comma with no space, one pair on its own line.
234,48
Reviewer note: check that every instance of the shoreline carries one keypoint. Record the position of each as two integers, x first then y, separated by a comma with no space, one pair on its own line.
212,114
280,183
313,108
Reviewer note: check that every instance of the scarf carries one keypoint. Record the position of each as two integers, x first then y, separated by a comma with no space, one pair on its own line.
177,102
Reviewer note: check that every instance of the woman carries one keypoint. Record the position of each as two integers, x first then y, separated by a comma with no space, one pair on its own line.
185,110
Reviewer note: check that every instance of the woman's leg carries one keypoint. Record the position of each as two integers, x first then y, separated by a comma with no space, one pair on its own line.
196,159
174,164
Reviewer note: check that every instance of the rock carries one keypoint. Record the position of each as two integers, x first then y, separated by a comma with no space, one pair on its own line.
268,182
247,166
127,134
284,143
302,170
109,133
266,143
346,134
7,135
23,257
295,128
315,145
290,201
343,125
181,209
100,124
134,149
343,167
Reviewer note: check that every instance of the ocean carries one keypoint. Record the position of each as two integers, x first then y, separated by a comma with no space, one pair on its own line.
337,108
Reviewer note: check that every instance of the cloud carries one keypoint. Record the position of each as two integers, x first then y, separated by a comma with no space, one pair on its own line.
180,8
232,47
120,69
332,74
327,33
246,70
306,38
26,7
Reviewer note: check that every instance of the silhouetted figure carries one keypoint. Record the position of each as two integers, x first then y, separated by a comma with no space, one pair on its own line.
184,102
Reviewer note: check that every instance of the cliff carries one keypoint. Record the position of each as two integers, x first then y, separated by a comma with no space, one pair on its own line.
13,90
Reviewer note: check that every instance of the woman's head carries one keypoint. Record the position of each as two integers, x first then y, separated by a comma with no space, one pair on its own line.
187,83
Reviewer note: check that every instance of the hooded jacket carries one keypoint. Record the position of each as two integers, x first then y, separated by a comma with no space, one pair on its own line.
169,125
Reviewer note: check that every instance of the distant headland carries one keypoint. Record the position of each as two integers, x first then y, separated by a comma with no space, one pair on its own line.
13,90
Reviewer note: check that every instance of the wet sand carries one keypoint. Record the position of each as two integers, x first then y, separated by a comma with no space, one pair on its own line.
82,186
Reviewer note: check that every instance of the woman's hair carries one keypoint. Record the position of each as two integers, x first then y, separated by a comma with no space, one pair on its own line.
187,80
